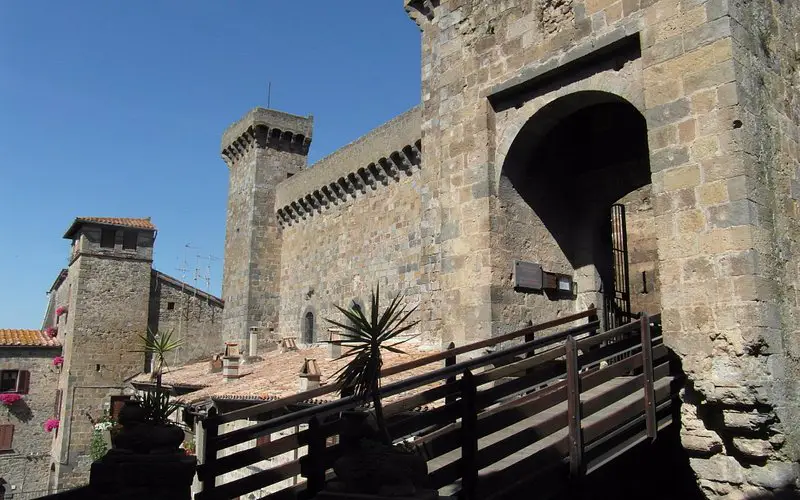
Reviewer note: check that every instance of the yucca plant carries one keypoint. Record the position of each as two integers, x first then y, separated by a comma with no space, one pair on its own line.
156,403
366,337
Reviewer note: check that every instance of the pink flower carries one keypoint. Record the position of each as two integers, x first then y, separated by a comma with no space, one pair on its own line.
51,331
50,424
8,399
61,310
58,361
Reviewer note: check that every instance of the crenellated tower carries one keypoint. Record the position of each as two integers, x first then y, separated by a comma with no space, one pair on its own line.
261,150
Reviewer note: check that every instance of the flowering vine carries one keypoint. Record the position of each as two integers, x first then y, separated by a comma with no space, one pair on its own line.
51,424
8,399
51,331
58,361
61,310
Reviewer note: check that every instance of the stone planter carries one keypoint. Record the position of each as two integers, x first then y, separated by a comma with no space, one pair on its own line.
369,469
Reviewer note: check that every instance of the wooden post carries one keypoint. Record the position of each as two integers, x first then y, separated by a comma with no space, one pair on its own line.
211,427
315,459
576,466
200,452
469,438
647,372
450,361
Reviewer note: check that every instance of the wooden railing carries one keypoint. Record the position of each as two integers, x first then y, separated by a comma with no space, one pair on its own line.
490,422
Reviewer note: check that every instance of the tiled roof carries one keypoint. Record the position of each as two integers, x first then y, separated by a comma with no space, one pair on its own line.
277,376
138,223
26,338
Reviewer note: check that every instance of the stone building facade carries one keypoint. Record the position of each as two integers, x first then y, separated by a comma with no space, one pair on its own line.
537,117
98,308
27,370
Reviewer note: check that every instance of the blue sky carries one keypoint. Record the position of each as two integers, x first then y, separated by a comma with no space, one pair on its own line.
111,108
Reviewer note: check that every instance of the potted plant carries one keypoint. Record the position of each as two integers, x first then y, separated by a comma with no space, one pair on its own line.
371,465
51,424
9,398
145,420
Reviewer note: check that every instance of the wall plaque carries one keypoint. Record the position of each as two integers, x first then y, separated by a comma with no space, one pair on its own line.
527,275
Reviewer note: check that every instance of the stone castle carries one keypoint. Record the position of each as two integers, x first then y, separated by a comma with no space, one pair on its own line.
490,204
639,155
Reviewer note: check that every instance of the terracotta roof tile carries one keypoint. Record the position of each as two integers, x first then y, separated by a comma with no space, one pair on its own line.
26,338
138,223
277,376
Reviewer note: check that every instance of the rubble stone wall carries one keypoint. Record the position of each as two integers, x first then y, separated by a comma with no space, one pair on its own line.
341,254
189,314
27,466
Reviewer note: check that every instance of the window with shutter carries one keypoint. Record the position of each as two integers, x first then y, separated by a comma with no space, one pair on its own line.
6,437
24,382
9,380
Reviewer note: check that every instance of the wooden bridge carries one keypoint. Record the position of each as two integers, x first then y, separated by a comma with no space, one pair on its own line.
542,411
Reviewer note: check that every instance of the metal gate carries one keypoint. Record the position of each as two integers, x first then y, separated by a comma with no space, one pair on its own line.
617,301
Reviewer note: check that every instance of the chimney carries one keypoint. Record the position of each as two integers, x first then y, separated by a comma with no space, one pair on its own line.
230,368
216,363
230,362
309,375
252,344
288,344
334,350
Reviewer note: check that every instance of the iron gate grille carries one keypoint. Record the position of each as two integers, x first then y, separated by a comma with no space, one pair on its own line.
617,301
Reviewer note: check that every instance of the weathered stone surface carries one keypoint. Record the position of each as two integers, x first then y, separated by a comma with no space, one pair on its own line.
27,466
719,468
775,475
753,447
743,420
708,444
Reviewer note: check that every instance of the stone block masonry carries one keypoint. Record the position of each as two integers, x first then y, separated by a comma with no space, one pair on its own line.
717,83
108,290
262,149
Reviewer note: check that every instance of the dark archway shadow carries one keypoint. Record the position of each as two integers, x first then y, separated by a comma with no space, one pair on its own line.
573,159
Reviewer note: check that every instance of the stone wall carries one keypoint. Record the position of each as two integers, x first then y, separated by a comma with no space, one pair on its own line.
342,253
258,159
642,251
742,423
108,310
28,467
713,79
188,313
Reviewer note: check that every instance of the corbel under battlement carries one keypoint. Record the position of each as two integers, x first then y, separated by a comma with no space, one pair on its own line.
266,128
384,155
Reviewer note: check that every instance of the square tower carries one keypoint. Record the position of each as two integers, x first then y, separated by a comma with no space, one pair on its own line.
261,150
102,314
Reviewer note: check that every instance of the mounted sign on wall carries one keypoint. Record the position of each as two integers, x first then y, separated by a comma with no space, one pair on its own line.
529,276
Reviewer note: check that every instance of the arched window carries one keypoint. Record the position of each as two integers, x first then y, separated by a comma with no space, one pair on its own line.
308,328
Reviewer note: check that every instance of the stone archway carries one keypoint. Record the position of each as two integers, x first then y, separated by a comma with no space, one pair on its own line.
571,161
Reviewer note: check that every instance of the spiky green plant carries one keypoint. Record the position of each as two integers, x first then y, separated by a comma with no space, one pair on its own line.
156,403
366,338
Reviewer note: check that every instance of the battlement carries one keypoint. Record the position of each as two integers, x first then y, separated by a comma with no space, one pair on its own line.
267,127
375,158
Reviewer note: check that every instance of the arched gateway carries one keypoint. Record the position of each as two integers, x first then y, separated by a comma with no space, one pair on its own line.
574,190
